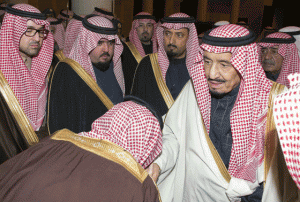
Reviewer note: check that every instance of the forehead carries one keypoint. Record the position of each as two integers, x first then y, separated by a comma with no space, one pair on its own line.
182,30
272,47
218,56
32,24
145,21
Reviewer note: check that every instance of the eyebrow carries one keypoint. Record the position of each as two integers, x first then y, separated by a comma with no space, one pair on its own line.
31,27
225,61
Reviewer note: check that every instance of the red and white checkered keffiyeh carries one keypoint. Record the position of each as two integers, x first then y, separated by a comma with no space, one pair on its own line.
88,41
29,87
59,35
132,127
134,38
192,45
286,115
71,35
292,30
247,116
289,52
102,14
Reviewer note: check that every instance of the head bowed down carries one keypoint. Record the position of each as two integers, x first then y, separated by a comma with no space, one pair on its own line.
29,88
133,35
133,127
287,50
177,21
94,28
252,99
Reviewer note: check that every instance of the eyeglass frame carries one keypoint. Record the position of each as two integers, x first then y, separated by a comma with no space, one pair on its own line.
46,32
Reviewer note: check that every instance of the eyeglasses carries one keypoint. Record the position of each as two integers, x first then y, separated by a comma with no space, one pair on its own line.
30,32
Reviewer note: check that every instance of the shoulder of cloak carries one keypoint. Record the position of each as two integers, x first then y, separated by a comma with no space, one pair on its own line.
147,85
75,100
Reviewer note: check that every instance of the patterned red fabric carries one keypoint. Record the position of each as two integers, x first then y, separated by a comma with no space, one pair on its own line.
289,52
134,38
132,127
192,47
250,109
30,87
286,115
290,29
88,41
103,15
71,34
59,35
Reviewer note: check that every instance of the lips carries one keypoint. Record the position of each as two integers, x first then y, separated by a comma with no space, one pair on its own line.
215,84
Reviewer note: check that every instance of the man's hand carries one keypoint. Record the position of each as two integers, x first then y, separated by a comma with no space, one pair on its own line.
153,171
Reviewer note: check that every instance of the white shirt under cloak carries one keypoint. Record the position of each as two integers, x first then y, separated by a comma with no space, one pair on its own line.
188,169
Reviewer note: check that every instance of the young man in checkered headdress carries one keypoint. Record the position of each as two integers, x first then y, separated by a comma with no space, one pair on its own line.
26,51
105,164
142,42
279,57
218,135
160,76
90,80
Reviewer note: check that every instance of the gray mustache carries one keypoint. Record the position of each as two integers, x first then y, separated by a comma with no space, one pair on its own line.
268,62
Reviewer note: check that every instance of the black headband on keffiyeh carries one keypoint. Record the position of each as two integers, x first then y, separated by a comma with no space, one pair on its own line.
279,40
2,8
139,17
49,11
103,11
178,20
145,104
97,29
77,17
18,12
63,14
229,42
57,22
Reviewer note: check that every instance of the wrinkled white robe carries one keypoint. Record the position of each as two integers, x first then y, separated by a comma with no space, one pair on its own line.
188,169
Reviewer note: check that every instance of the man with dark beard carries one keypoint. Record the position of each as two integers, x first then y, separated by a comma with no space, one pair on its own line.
161,76
90,80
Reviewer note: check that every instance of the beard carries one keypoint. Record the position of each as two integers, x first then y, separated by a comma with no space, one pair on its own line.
102,66
217,94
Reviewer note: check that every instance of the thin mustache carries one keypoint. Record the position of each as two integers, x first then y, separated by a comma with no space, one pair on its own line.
217,80
171,45
104,54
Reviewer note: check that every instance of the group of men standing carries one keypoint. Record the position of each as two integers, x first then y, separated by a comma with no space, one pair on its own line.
218,140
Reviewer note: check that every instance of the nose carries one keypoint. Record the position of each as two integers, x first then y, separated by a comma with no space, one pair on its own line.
36,37
172,39
214,72
105,47
268,55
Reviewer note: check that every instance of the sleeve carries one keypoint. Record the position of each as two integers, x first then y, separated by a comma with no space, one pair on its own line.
168,157
150,191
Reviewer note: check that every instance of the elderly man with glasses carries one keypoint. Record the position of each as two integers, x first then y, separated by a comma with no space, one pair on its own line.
26,51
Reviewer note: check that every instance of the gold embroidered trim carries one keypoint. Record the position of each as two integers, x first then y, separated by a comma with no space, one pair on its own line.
87,79
90,82
134,51
271,138
216,155
17,111
160,81
105,149
60,55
